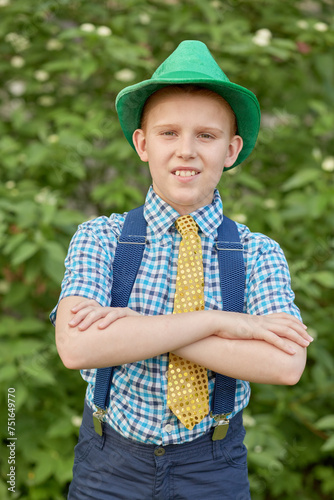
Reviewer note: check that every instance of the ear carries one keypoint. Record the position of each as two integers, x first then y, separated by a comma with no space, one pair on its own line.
139,141
233,151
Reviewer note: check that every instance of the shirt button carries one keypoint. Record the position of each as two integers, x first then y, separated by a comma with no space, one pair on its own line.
158,452
168,428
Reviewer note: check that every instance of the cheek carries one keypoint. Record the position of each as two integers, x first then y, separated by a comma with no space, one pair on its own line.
216,170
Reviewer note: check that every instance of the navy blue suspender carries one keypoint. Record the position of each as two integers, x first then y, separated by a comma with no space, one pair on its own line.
128,256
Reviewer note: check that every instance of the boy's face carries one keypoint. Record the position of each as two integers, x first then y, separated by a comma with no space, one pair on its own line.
187,140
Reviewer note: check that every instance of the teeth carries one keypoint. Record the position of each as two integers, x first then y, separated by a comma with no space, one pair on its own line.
185,173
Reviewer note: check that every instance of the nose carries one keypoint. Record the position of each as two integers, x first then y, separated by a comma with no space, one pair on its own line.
186,148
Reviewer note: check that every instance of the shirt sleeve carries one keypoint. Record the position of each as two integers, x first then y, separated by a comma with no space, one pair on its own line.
88,264
268,279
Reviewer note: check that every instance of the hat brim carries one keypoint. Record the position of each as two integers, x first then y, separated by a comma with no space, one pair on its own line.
130,102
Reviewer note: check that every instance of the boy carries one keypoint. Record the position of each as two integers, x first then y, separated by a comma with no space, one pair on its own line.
189,123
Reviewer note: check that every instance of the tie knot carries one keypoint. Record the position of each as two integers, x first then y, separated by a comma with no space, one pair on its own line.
185,224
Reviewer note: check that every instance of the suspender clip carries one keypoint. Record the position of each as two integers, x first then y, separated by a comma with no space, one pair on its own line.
221,426
98,419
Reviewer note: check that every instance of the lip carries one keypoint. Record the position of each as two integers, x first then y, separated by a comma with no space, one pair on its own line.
187,169
185,179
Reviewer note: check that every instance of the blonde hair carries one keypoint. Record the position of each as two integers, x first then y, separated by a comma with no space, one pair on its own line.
171,90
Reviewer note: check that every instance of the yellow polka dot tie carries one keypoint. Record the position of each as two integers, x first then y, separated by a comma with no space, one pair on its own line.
188,395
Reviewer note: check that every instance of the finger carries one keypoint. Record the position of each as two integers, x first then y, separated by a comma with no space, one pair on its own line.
287,328
111,318
292,330
91,318
86,317
75,320
291,334
288,317
80,316
84,303
278,342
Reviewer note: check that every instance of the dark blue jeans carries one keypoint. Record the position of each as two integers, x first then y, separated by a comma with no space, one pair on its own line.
115,468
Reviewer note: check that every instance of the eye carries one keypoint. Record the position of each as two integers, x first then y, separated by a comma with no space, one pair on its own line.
205,135
168,133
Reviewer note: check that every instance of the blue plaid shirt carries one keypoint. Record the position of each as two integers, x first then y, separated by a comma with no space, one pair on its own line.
138,408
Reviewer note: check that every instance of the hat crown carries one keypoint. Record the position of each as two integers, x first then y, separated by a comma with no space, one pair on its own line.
193,57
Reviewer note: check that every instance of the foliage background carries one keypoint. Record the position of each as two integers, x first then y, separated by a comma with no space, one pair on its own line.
64,160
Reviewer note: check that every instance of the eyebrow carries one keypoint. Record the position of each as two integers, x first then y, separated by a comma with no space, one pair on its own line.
165,125
203,129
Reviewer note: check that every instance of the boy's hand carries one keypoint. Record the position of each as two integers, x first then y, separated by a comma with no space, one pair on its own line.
271,328
88,312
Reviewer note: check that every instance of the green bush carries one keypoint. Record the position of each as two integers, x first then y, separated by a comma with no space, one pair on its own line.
64,160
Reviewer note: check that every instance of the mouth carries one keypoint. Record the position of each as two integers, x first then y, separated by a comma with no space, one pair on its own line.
185,172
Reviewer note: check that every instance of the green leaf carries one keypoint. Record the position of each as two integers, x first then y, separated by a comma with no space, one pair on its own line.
250,181
324,278
14,241
329,445
44,468
8,372
24,252
35,371
54,252
326,422
25,347
301,179
62,428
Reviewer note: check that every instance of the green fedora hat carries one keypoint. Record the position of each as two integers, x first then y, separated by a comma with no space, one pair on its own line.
192,63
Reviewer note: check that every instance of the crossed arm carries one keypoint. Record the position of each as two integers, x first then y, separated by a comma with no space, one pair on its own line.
265,349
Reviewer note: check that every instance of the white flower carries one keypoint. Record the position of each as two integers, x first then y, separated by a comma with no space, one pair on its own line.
103,31
11,37
88,27
248,421
54,44
41,75
321,26
45,197
241,218
262,37
10,184
270,203
302,24
144,18
76,420
125,75
46,100
53,138
258,449
17,61
328,164
19,42
3,3
17,87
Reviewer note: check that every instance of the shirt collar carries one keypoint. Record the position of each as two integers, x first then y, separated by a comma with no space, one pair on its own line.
160,216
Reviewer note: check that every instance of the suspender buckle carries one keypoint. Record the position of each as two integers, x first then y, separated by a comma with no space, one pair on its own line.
141,240
98,419
221,426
